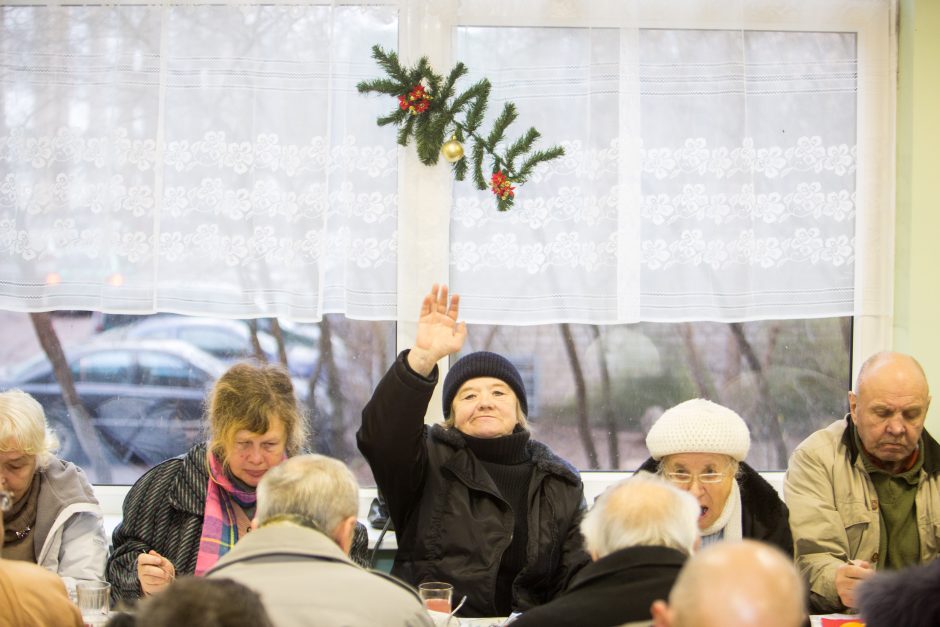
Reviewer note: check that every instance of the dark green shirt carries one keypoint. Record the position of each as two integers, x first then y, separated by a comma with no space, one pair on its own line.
899,545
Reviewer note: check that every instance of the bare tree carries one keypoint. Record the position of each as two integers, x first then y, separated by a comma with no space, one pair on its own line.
584,426
78,415
279,338
700,373
256,343
766,408
607,400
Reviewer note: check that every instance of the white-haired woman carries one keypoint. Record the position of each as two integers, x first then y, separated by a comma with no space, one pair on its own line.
700,446
55,520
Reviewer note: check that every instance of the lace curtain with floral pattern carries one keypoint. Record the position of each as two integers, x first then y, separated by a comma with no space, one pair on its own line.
708,175
206,159
216,159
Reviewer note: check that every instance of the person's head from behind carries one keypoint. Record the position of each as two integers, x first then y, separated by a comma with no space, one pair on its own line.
699,445
254,420
735,584
312,490
206,602
889,406
643,510
484,396
902,597
26,443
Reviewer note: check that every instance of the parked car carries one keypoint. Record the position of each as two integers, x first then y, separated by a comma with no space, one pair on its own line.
145,397
228,340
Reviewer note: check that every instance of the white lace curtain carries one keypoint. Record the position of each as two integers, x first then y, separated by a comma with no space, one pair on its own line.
213,159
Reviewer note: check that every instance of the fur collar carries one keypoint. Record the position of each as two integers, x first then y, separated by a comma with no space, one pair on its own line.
542,457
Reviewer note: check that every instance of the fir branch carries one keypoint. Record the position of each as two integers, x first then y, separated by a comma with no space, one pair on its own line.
499,126
478,166
522,145
428,111
481,91
536,158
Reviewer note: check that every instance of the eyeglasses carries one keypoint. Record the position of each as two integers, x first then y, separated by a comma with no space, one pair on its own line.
6,500
685,478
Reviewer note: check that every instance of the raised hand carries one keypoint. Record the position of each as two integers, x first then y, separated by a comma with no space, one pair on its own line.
154,572
439,333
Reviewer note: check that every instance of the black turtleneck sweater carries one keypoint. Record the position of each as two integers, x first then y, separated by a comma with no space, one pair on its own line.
508,463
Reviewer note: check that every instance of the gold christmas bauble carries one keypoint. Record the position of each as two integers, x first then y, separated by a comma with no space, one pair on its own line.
452,150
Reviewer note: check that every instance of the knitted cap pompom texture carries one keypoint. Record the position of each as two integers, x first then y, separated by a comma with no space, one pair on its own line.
482,364
699,426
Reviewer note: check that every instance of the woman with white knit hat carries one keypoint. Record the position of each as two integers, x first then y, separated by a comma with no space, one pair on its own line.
700,446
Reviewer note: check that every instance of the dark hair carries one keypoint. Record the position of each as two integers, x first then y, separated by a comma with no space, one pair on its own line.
216,603
904,597
247,396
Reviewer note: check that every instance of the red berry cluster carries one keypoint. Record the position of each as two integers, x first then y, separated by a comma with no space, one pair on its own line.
416,101
502,186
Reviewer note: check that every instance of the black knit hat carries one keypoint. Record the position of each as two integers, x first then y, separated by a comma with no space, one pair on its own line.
483,364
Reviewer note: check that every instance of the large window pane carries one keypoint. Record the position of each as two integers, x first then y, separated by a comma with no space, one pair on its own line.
144,379
594,391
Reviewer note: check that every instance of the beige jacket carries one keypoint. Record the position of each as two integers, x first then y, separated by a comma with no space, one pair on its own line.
304,578
834,508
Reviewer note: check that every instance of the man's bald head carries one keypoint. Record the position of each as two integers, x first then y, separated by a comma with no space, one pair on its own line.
889,407
735,584
891,364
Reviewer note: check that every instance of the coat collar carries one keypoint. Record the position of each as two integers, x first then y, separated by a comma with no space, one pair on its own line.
541,456
286,540
929,447
635,557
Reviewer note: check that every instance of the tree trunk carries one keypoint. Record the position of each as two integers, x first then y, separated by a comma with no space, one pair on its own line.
279,337
607,402
334,391
584,427
766,409
78,416
700,373
255,343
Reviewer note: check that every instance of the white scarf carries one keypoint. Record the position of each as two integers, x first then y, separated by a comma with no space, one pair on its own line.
730,520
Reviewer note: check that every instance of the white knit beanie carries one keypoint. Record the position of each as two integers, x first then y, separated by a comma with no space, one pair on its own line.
699,426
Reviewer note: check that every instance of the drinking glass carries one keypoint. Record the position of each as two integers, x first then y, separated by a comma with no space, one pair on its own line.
436,595
94,600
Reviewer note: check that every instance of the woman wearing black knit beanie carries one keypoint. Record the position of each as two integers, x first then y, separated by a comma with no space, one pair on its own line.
475,501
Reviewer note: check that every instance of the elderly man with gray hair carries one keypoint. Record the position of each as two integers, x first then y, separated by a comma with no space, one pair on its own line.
296,556
639,533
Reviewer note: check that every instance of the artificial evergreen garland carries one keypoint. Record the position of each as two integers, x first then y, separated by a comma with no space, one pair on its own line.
428,110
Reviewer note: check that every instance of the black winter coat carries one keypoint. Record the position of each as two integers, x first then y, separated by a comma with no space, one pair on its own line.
618,588
163,511
763,515
451,523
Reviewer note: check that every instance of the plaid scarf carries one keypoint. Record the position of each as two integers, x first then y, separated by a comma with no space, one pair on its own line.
219,529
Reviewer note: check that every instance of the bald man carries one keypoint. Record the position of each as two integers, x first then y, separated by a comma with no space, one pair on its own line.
864,493
735,584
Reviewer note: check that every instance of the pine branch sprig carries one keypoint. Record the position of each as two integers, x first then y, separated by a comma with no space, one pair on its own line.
430,111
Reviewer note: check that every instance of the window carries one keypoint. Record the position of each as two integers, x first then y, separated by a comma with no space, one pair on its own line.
706,233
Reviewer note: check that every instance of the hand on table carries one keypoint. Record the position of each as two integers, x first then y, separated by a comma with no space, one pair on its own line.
439,333
848,576
154,572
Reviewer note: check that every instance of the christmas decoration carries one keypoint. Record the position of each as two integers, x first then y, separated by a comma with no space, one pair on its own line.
429,110
452,150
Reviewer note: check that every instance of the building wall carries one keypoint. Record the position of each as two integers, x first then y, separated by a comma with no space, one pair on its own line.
917,239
